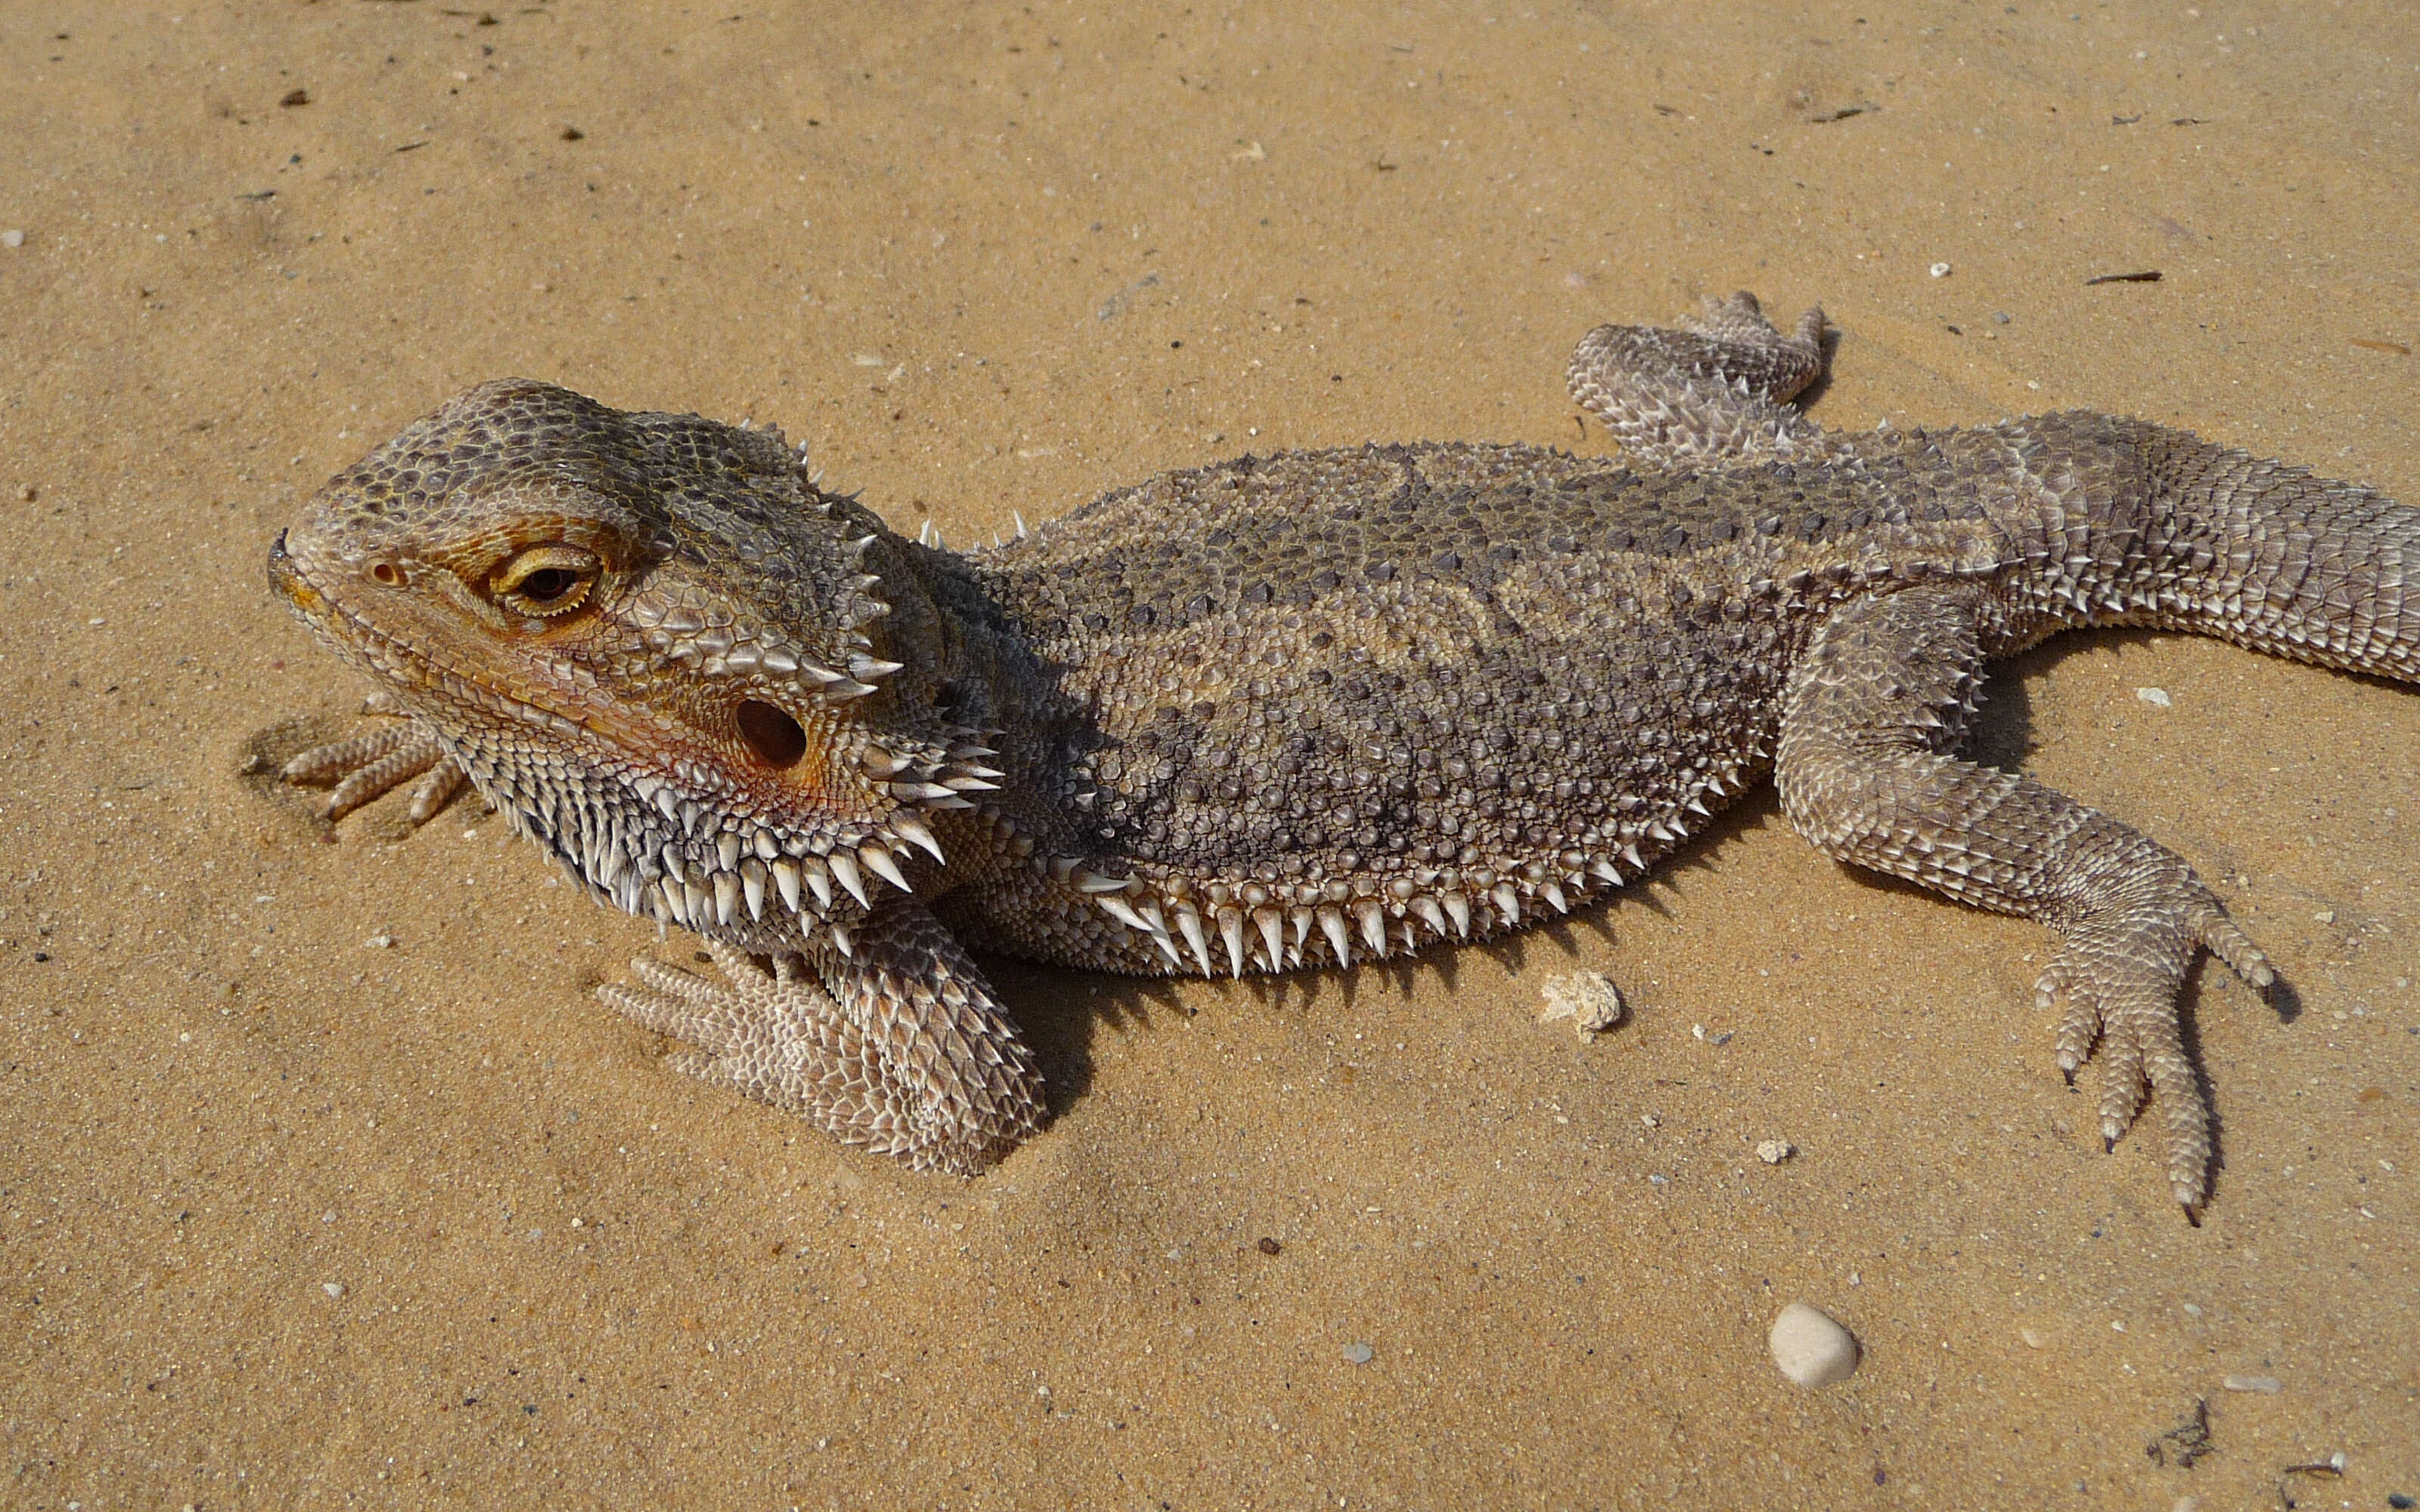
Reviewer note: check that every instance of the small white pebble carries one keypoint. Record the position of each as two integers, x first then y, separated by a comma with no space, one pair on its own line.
2325,915
2033,1340
1774,1151
2156,697
2185,1504
1650,1120
12,238
2265,1385
379,942
1939,269
1589,998
334,1288
2193,1309
1810,1347
1358,1353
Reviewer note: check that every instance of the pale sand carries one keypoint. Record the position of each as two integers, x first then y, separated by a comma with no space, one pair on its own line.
955,249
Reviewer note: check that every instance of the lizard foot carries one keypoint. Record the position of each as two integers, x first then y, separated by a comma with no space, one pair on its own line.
1713,391
780,1038
369,766
2120,969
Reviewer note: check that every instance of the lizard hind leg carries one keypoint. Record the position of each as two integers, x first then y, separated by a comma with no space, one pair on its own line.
1715,391
1865,772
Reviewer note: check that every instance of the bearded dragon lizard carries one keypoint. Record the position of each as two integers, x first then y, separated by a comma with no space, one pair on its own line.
1284,712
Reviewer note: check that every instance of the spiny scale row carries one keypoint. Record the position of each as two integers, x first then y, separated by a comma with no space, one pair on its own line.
742,882
712,642
1267,927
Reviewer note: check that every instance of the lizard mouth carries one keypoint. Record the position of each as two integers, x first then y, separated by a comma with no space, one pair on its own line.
288,582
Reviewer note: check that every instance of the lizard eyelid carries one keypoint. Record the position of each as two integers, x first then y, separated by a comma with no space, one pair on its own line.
544,580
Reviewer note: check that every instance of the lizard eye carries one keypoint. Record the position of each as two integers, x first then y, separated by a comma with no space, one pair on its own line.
545,580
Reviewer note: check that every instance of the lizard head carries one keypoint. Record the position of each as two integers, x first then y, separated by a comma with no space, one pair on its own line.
713,690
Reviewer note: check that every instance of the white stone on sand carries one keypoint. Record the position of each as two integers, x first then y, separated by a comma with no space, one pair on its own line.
1810,1347
1589,998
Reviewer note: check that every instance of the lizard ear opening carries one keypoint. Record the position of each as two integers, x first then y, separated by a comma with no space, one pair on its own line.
773,735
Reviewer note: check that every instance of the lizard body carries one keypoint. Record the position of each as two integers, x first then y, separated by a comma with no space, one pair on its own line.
1307,709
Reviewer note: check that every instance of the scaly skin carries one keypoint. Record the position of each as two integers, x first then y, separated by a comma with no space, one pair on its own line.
1298,710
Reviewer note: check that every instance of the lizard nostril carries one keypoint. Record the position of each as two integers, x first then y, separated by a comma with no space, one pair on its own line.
389,574
773,735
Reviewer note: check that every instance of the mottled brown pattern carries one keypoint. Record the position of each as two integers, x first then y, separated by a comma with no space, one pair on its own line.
1317,707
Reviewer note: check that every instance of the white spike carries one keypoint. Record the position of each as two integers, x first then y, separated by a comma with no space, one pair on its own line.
1331,923
726,897
1119,909
726,846
842,942
818,881
1231,933
1606,872
751,886
912,829
700,903
1429,913
1272,925
1553,893
1458,908
1189,920
843,866
785,882
1509,902
1373,926
1020,523
879,861
1094,881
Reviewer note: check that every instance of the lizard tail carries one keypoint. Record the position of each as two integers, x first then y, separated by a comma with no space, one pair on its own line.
2273,557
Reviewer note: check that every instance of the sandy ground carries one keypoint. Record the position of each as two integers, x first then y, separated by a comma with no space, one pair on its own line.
290,1220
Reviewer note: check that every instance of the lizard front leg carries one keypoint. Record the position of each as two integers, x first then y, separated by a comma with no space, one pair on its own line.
1872,708
900,1045
369,766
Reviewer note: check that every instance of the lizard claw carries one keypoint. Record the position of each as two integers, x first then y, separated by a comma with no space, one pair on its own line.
2120,970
